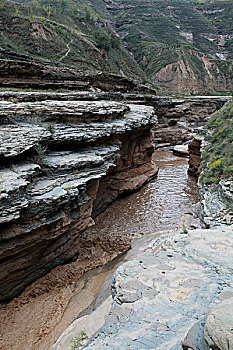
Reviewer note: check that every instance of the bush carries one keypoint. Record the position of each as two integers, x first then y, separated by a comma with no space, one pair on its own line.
217,165
78,341
218,159
102,41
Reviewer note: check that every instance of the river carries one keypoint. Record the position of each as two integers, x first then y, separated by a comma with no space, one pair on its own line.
158,205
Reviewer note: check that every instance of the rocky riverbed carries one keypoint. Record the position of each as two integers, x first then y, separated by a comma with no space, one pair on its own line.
162,297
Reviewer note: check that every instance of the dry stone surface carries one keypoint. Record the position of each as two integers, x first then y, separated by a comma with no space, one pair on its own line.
219,326
159,297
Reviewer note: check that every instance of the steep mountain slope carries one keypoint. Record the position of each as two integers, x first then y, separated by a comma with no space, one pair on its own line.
68,33
180,46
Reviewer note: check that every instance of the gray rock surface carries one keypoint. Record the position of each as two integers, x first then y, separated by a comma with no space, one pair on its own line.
161,294
181,150
20,187
217,204
58,110
17,139
226,190
219,326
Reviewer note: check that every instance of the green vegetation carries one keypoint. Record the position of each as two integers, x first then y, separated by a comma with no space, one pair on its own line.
218,158
51,128
136,38
41,154
160,33
78,341
46,29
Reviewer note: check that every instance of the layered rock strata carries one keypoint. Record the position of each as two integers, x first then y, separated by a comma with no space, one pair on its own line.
167,291
194,149
22,71
179,119
217,201
55,156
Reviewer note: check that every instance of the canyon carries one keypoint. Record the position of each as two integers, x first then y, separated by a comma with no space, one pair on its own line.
44,310
116,185
65,162
65,157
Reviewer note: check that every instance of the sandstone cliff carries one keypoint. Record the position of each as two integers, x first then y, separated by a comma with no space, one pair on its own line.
55,157
185,76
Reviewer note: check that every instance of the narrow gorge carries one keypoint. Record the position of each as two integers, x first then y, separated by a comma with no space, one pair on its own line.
65,157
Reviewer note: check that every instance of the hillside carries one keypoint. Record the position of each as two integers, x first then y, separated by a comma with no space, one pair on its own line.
217,158
65,33
182,46
179,46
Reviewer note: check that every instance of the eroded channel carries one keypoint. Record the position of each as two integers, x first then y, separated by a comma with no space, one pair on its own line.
36,320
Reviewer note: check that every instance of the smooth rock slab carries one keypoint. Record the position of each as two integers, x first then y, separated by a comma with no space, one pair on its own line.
181,150
219,326
158,298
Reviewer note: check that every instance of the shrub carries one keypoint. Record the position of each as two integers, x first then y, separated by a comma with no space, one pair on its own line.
41,157
218,159
217,164
78,341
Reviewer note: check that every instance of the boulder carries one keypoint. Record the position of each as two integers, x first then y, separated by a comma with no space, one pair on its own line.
219,326
181,150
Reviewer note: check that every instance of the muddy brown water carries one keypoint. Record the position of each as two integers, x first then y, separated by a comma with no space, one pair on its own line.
156,207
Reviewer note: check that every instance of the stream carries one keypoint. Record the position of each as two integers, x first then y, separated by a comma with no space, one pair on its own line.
45,310
156,207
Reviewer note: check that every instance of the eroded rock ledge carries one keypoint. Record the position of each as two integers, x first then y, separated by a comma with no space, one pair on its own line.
22,71
58,172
